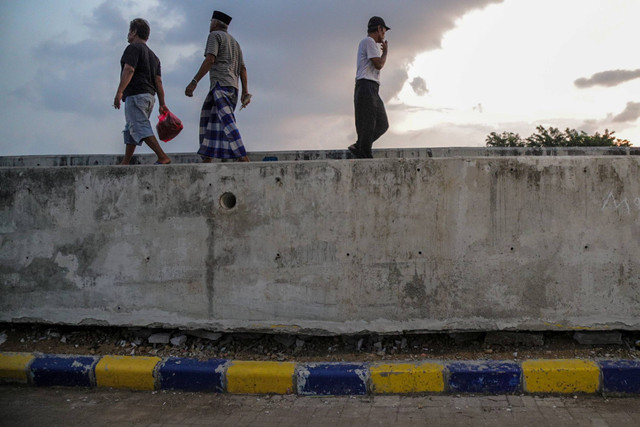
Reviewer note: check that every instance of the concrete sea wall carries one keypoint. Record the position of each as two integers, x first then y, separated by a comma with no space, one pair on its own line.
422,243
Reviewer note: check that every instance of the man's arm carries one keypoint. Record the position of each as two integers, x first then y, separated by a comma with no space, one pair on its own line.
245,99
163,107
208,62
379,62
125,79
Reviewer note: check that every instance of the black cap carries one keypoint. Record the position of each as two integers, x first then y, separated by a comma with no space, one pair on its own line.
222,17
374,22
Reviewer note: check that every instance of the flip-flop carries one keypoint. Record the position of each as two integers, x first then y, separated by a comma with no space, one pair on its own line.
158,163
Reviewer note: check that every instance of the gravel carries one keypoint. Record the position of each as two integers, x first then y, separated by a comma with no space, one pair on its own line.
304,348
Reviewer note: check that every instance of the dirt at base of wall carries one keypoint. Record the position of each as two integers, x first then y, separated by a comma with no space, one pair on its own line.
515,346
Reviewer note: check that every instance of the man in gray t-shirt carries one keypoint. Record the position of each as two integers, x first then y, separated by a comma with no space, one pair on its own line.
219,135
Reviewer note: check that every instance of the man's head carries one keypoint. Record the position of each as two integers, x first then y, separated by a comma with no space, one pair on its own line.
219,21
140,28
376,28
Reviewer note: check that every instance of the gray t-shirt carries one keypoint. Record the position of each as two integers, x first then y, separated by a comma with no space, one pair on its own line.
229,61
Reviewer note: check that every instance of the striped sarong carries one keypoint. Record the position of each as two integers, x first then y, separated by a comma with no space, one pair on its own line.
219,135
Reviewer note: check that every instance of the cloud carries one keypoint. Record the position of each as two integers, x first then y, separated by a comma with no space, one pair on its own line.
608,78
440,135
419,86
630,113
300,58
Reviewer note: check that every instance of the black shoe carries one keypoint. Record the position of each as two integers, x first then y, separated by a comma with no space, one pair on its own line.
353,149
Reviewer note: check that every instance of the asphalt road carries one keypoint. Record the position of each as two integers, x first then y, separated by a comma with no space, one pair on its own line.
32,406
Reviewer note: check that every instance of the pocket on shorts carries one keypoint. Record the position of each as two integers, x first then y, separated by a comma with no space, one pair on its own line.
145,104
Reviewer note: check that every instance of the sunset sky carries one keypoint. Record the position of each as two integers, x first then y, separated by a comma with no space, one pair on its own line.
456,71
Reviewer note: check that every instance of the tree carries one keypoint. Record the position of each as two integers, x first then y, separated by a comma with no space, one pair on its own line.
553,137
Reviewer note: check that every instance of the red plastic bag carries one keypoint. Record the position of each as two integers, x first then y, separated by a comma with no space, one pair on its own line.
169,126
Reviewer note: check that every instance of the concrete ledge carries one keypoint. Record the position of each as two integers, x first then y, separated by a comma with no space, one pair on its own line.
305,155
326,247
569,376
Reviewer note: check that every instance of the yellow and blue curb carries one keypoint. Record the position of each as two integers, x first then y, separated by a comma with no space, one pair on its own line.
564,376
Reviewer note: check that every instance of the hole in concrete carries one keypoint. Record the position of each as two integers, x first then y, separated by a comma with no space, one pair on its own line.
348,254
419,252
228,200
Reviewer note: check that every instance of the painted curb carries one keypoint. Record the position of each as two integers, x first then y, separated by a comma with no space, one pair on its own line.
191,375
495,377
620,376
60,370
568,376
332,379
561,376
404,378
128,372
260,377
14,367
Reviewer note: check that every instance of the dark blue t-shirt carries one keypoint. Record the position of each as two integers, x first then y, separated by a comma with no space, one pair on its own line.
147,66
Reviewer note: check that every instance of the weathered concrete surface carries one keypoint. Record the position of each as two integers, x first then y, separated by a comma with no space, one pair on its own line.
385,245
389,153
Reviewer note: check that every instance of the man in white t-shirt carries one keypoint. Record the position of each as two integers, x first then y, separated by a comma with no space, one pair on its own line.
371,117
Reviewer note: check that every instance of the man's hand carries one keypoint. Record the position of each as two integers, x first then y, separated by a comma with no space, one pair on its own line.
163,109
245,100
385,46
190,88
116,100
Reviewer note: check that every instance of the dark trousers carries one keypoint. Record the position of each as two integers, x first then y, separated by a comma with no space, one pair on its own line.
371,117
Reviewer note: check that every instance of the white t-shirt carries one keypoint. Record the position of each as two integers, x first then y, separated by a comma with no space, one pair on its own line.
367,49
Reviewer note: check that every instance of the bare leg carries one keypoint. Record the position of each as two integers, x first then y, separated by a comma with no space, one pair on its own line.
128,154
152,142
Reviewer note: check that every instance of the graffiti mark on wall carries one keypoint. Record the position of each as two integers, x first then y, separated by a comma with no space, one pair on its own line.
621,204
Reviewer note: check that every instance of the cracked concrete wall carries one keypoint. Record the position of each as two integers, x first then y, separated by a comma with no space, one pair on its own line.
385,245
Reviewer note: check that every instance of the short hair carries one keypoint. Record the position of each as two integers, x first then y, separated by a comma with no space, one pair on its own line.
141,27
221,24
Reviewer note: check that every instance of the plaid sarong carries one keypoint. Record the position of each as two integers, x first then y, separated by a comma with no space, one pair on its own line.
219,135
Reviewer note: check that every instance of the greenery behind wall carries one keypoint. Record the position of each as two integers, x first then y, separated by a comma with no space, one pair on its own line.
553,137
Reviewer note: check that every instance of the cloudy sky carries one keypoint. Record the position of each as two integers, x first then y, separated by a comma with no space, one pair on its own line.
457,70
